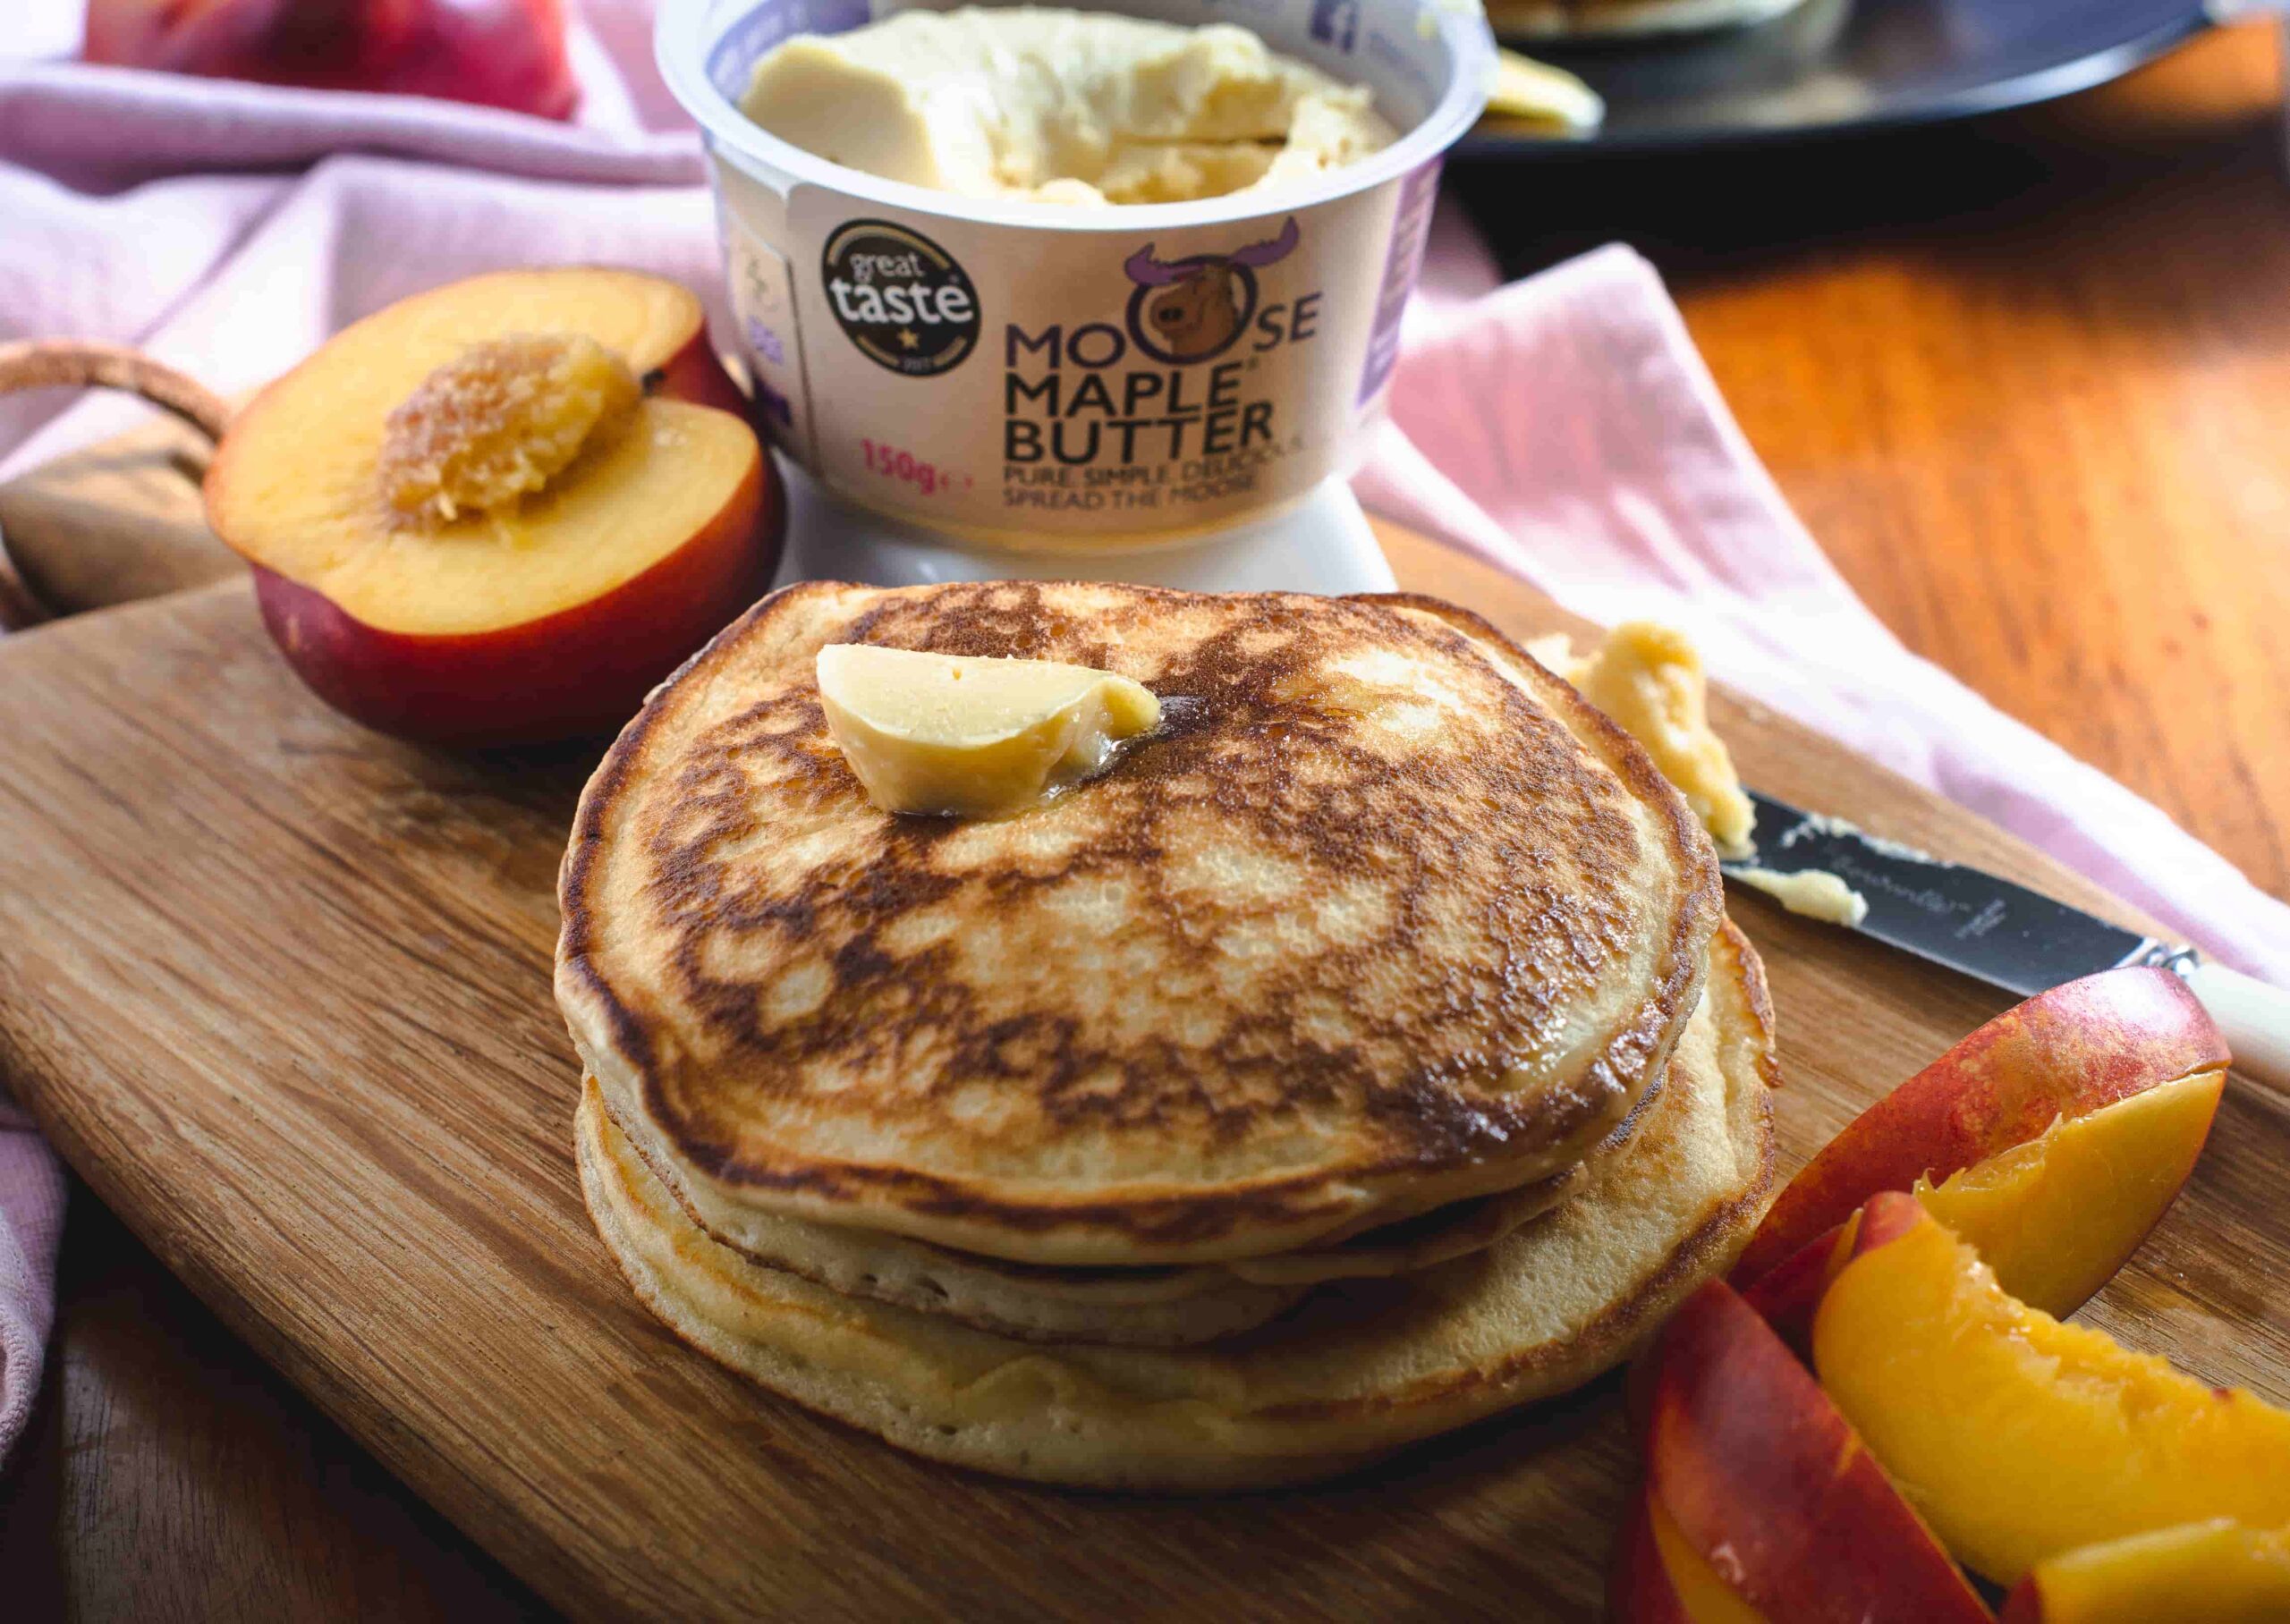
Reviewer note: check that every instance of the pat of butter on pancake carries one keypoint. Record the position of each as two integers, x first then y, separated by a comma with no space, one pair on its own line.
971,736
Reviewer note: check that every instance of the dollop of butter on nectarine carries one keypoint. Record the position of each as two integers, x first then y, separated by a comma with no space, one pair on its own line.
499,421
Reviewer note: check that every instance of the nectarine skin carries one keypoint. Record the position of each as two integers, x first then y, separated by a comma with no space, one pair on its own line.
1787,1294
2065,1053
1639,1587
585,671
1750,1459
695,373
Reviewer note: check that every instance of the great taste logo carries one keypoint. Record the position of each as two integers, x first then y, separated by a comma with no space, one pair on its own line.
1191,309
900,298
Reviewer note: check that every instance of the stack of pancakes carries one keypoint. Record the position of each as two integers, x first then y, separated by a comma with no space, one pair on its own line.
1364,1053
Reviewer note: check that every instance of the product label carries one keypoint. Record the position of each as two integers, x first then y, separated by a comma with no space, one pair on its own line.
1419,194
1050,386
763,299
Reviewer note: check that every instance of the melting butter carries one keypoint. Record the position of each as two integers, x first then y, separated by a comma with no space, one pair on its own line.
964,736
1649,679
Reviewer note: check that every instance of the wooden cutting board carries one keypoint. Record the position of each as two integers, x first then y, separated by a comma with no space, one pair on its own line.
279,989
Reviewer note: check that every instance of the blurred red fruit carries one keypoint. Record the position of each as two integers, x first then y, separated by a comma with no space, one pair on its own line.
495,53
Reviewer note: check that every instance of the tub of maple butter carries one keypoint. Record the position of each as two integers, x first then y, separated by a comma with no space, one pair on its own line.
1065,280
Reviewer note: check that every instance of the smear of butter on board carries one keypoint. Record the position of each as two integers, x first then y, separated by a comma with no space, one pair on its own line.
967,736
1814,892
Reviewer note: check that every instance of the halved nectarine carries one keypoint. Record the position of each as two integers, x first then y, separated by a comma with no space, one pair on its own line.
2018,1437
2062,1054
2215,1572
501,510
1761,1477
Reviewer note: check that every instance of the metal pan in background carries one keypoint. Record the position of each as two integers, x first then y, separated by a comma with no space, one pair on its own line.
1836,66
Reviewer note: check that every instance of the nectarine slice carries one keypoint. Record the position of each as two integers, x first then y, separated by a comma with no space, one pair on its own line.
1763,1478
1787,1294
2018,1437
466,524
2062,1054
2055,1217
1658,1578
2215,1572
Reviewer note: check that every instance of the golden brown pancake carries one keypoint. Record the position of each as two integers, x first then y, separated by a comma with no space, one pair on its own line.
1385,917
1356,1372
1167,1306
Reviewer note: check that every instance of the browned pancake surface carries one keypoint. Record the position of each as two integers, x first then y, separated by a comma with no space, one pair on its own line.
1385,916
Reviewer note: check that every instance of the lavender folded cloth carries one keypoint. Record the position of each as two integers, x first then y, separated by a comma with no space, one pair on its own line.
1563,428
32,1224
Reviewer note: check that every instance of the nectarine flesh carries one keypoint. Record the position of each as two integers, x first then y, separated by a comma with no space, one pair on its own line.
2018,1437
2055,1217
2215,1572
2065,1053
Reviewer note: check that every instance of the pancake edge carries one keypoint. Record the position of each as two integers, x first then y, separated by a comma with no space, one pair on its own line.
1433,1407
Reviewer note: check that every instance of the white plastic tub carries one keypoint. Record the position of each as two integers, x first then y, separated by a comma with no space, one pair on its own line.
982,420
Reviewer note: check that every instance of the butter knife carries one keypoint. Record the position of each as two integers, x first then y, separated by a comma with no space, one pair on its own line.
2006,934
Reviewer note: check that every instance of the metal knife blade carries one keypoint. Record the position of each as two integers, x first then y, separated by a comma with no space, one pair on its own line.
1963,918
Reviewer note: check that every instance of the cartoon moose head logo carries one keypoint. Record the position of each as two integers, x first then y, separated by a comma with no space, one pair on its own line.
1189,310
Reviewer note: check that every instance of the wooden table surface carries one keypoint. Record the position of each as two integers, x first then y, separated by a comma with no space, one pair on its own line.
2017,377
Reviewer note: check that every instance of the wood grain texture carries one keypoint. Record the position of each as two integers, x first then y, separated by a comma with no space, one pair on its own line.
1934,339
280,991
168,1475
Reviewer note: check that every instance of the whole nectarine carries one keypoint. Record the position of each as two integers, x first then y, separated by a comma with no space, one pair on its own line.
497,52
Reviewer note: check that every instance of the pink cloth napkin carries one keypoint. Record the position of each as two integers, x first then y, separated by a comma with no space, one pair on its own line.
127,212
